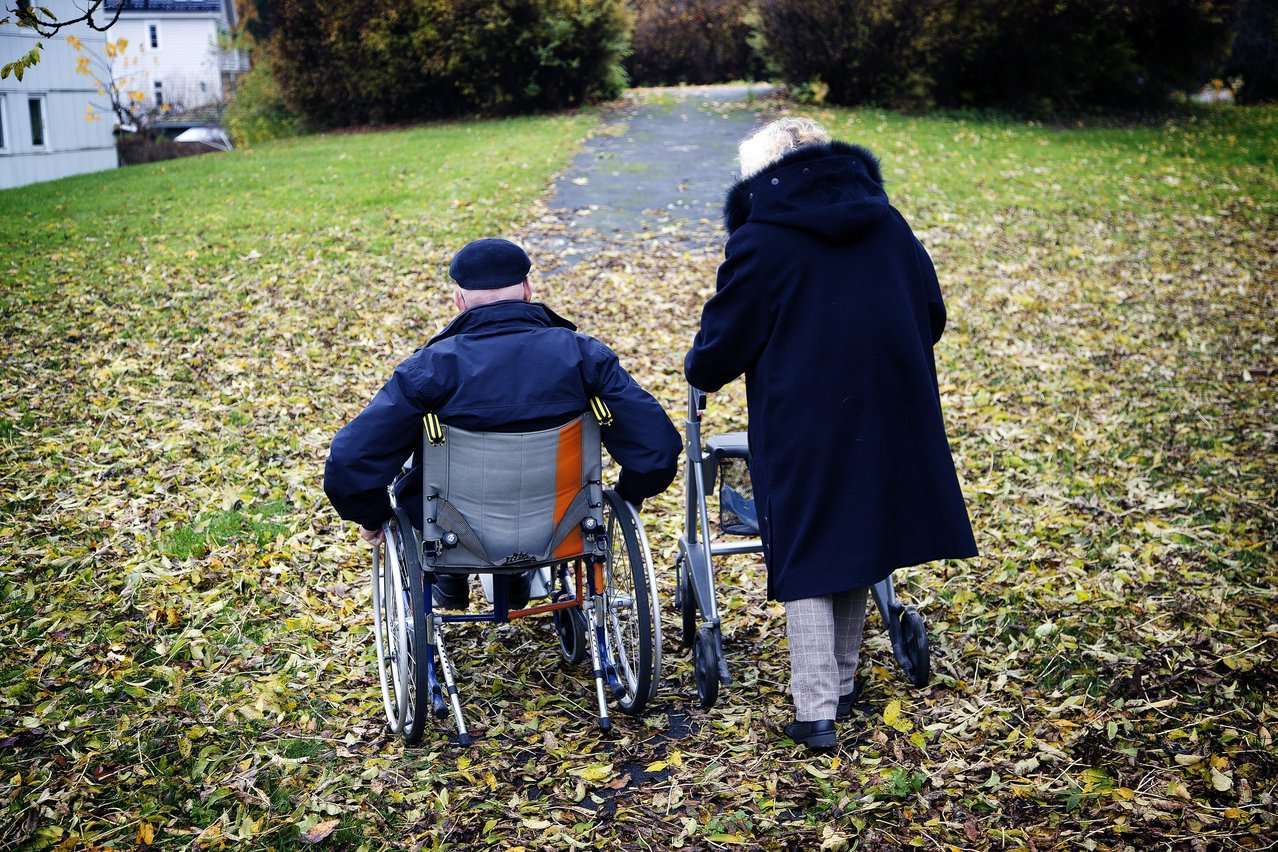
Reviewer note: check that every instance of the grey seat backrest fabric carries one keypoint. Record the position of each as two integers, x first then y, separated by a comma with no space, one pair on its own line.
512,498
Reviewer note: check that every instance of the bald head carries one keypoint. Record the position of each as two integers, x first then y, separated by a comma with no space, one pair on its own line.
467,299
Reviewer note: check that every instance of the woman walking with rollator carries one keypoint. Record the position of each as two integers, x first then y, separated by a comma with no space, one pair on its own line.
830,306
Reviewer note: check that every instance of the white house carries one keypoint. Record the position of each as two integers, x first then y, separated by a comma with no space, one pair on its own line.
48,127
176,50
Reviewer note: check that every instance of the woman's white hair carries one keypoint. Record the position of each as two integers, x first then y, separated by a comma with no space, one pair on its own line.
776,139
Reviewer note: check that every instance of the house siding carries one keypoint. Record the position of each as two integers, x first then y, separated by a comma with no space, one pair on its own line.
73,143
186,62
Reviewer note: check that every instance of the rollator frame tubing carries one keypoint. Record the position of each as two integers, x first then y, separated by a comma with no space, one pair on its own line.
697,514
696,511
883,592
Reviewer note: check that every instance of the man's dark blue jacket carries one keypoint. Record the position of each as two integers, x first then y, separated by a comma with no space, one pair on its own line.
505,367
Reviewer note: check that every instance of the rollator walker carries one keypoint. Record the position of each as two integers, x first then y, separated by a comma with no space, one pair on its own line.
724,458
504,503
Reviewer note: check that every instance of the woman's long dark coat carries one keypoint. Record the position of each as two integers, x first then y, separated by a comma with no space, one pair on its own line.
830,306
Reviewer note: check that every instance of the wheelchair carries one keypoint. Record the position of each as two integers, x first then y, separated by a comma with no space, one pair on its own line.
725,458
505,503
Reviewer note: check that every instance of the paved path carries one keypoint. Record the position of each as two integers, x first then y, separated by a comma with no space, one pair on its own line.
660,164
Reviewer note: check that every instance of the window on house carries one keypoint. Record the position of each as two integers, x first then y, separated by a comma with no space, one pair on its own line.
159,93
35,108
153,35
4,127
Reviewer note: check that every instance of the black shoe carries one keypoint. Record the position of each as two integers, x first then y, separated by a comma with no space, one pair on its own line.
847,703
519,587
451,591
818,736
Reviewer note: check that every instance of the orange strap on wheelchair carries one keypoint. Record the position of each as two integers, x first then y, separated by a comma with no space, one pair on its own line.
434,429
568,483
601,411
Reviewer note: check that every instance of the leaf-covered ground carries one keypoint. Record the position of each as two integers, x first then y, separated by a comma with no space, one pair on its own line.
185,651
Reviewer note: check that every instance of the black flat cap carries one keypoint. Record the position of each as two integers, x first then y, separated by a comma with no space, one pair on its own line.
489,265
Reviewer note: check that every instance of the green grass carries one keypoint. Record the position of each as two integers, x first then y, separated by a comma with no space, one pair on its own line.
305,198
259,524
173,336
184,622
1199,160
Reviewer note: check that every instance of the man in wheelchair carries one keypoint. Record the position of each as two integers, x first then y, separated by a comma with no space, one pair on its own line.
504,364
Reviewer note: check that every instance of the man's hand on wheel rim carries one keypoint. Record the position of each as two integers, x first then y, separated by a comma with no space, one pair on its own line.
373,537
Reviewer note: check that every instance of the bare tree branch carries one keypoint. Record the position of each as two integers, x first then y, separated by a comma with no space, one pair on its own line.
47,24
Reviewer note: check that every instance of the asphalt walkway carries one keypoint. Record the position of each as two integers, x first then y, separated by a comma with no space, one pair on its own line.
660,165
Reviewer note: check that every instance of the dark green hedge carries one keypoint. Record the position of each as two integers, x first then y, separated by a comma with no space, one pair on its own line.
1254,55
692,41
344,62
1040,55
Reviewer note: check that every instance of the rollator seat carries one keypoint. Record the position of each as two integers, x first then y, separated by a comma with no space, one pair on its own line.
731,445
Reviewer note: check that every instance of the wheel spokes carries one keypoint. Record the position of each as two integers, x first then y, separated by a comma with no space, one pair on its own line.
620,591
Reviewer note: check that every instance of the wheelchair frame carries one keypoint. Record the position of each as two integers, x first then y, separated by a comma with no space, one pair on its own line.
585,610
695,589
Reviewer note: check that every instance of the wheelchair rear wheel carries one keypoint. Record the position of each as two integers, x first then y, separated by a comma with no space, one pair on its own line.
400,634
631,626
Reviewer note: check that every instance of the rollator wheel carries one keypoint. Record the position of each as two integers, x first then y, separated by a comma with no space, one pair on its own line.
631,628
705,667
570,627
914,638
400,634
686,600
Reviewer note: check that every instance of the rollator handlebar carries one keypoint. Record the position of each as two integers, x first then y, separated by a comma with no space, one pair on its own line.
696,402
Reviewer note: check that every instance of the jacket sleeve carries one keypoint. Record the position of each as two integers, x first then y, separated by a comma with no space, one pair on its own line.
641,439
370,450
735,323
932,287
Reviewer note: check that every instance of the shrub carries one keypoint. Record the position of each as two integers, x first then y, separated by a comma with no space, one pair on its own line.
855,51
693,41
343,62
146,147
1073,54
1254,54
257,112
1035,54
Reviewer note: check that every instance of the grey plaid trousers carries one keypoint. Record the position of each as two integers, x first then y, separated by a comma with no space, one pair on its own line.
825,648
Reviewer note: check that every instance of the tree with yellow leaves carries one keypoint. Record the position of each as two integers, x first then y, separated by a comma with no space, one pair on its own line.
125,100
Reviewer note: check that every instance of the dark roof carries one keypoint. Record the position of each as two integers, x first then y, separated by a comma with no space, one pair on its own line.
205,116
165,5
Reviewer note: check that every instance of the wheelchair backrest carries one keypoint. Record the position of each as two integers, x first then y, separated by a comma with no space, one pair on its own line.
507,499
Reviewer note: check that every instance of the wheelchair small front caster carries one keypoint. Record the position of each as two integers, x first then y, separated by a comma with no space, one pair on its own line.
705,666
570,627
914,637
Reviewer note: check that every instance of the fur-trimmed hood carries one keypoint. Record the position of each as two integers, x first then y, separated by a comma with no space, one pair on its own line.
833,190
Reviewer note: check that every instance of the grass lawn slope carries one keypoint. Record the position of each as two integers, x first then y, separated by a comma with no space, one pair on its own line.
185,654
